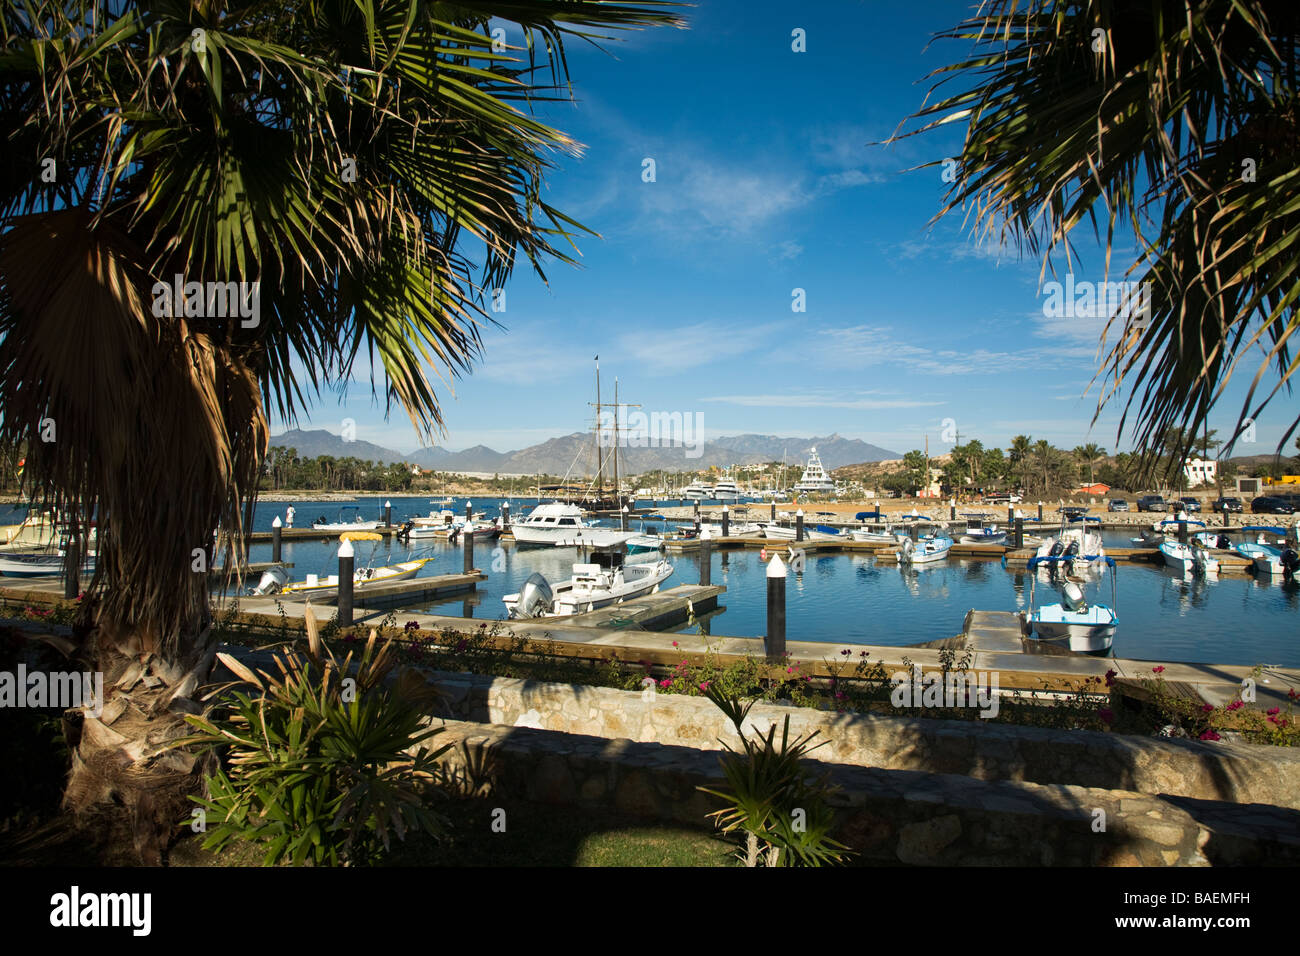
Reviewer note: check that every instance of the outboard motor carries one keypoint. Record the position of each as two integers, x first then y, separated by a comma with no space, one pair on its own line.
1290,561
1073,598
404,531
535,597
905,549
273,579
1056,550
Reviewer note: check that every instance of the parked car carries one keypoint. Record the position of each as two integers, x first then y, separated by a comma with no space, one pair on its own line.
1269,505
1190,505
1152,503
1117,504
1227,504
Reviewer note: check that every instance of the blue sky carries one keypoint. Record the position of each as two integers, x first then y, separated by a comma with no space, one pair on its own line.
766,182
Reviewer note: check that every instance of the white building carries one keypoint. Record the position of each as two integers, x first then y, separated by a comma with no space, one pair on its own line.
1200,471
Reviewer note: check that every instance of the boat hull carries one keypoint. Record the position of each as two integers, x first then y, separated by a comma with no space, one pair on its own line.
1089,633
361,580
570,600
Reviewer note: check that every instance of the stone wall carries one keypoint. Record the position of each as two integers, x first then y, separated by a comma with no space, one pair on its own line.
1240,773
893,816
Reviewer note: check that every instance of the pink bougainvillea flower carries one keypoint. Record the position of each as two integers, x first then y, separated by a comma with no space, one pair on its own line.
1273,710
1208,708
1236,705
1159,668
1210,735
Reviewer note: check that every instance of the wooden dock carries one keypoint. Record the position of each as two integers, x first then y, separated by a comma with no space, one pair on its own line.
379,595
994,631
1229,561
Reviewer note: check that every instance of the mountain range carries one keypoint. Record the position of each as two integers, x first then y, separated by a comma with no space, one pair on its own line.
575,455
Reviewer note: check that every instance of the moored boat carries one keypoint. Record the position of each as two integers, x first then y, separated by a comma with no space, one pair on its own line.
561,525
1073,622
600,583
345,523
1193,558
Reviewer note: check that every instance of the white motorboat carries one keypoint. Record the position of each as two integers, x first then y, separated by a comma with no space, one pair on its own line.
1073,623
925,550
39,564
562,525
345,523
1073,543
735,529
441,519
315,585
824,532
815,481
878,537
1192,558
276,578
1274,558
979,531
595,585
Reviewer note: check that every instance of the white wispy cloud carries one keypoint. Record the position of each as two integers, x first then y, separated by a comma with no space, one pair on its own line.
815,400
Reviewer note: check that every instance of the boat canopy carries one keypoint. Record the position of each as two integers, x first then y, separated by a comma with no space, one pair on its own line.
360,536
867,515
1182,521
1075,518
1268,528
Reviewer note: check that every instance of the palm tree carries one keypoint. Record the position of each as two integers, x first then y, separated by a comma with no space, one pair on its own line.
375,168
1175,121
1088,455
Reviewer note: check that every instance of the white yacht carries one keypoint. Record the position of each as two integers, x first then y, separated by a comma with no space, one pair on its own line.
558,524
726,490
697,491
815,481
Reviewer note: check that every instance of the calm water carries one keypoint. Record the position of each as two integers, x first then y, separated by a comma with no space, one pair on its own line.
1233,619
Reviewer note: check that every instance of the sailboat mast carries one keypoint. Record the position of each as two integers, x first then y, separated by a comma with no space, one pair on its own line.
600,481
616,411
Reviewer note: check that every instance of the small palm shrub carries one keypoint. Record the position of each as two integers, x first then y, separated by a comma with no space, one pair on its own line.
778,805
315,764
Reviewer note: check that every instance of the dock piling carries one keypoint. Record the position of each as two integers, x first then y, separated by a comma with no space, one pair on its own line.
774,642
71,564
505,516
1040,511
346,581
1020,533
388,514
773,515
468,535
622,519
726,522
276,534
706,558
798,525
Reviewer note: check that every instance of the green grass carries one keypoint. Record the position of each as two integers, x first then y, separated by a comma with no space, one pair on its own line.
545,835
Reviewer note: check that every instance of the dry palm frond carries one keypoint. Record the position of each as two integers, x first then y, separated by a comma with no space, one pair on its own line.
1176,119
